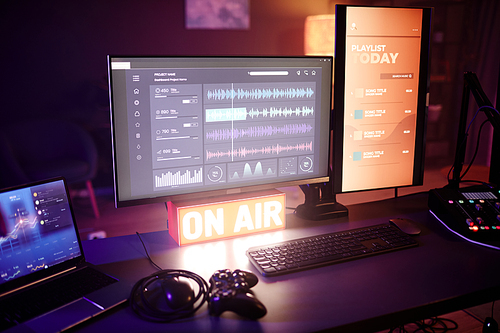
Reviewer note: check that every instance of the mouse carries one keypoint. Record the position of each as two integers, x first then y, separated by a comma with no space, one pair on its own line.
406,225
178,292
170,293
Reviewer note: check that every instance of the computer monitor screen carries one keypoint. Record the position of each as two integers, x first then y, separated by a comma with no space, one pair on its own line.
191,127
380,96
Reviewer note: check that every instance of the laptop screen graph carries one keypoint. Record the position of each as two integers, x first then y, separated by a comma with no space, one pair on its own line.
36,230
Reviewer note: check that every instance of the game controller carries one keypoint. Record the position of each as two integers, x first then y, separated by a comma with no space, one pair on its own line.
230,291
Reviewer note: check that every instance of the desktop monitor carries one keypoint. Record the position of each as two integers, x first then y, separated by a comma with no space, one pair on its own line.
381,86
196,127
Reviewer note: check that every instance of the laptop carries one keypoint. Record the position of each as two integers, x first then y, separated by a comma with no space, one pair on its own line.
40,255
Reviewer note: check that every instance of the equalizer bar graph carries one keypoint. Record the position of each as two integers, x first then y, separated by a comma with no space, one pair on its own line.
178,177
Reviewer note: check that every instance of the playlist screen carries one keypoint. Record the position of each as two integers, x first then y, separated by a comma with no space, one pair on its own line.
381,89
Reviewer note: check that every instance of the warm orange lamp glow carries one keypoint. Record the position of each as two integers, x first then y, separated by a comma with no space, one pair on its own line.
319,35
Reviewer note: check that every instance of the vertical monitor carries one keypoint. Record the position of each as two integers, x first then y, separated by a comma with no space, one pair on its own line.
191,127
380,96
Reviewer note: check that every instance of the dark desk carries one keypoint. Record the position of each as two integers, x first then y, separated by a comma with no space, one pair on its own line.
442,275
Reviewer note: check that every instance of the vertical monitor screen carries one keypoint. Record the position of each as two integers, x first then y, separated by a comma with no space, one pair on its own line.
188,127
380,99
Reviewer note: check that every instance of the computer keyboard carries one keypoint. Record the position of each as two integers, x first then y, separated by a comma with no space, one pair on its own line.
326,249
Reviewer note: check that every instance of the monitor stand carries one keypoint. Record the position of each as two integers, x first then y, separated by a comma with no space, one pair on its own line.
320,203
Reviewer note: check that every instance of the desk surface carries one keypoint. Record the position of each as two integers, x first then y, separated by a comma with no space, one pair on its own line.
443,274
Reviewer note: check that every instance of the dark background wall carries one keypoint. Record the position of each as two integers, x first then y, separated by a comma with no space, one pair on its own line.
53,53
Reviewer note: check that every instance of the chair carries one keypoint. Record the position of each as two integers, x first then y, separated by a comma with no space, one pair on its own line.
33,150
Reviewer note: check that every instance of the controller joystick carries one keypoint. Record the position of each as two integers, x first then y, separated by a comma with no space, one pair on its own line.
230,291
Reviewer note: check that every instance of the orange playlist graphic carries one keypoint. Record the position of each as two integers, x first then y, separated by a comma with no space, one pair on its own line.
382,70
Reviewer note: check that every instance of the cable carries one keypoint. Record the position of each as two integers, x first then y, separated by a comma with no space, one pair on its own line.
437,324
147,310
489,107
466,134
489,323
434,324
475,152
147,253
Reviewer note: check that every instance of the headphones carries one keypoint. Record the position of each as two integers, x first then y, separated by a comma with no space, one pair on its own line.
147,310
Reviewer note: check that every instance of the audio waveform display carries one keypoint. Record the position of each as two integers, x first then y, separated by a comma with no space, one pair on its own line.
232,114
257,94
265,150
257,132
179,178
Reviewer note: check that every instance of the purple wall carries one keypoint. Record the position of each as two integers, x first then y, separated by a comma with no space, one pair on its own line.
55,51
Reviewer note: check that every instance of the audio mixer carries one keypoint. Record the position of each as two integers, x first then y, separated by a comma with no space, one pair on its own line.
473,212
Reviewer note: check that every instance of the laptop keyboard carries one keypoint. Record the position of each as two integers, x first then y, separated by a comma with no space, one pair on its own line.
28,304
310,252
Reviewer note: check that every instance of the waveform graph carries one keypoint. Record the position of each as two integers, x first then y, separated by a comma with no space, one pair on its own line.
258,131
261,91
258,149
259,94
258,113
278,112
178,177
252,170
225,114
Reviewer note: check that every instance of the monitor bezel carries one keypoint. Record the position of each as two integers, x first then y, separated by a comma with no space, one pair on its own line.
339,91
235,189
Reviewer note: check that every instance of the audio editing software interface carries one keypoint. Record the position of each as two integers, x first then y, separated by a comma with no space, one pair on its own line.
216,127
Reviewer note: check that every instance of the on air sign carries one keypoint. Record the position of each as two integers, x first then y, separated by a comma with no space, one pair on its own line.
195,223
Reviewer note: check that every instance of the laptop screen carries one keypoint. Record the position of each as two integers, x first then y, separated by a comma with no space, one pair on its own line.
37,230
